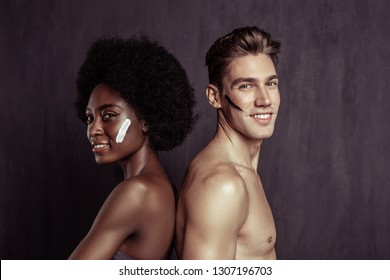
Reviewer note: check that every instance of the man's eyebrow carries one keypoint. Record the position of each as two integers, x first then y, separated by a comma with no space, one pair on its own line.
252,80
272,77
244,80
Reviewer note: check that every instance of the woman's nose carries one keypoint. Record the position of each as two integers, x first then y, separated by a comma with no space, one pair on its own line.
94,129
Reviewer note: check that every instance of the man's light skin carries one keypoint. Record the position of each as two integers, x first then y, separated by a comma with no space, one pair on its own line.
222,210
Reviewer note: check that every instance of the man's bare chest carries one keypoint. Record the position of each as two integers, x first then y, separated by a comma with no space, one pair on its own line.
258,233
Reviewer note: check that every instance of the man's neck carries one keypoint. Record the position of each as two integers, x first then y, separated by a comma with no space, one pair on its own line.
241,149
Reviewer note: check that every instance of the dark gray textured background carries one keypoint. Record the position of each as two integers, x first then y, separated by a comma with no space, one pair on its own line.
325,170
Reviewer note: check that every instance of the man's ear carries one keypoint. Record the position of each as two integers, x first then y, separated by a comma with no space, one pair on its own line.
213,96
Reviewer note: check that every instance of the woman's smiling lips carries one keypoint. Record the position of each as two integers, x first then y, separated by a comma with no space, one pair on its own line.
99,147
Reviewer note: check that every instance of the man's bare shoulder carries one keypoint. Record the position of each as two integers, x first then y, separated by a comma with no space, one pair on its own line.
211,160
213,194
208,178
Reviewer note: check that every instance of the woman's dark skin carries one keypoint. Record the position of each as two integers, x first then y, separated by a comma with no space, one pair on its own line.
134,82
138,217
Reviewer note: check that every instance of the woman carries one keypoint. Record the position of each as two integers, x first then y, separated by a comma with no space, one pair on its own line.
136,100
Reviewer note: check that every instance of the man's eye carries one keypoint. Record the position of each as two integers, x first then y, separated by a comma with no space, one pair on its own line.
272,83
245,86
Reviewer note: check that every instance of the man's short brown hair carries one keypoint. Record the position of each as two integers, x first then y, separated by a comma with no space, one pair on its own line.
240,42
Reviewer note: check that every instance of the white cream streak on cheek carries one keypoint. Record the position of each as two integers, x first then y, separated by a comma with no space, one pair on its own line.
122,131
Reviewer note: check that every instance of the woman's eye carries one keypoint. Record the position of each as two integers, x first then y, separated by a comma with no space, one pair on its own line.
88,119
107,116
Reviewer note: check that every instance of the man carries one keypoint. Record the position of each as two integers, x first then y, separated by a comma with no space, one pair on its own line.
222,210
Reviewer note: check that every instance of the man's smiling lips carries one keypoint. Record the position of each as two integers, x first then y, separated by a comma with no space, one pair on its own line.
262,117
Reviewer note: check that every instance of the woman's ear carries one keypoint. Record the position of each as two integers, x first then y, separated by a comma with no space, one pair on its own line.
145,127
213,96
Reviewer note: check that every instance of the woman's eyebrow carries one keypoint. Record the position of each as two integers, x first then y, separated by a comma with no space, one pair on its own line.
105,106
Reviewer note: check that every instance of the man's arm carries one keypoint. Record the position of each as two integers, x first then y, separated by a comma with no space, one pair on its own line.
117,219
215,213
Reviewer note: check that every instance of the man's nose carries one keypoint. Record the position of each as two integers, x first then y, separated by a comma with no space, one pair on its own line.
262,97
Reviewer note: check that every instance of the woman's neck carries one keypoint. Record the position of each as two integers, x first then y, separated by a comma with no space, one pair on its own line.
135,163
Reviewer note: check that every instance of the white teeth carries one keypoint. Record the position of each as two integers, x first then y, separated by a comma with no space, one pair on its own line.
100,146
262,116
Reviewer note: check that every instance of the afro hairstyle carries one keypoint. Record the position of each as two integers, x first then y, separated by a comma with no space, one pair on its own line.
148,78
